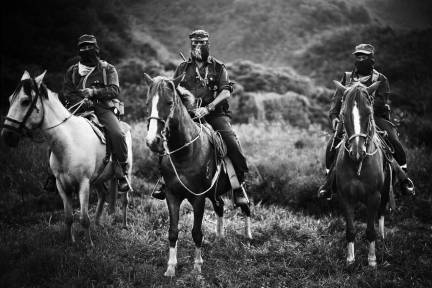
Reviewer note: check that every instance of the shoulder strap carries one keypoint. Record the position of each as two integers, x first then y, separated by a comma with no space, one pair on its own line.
347,78
375,75
74,71
104,66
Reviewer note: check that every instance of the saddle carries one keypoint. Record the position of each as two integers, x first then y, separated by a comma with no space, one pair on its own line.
216,140
221,154
99,128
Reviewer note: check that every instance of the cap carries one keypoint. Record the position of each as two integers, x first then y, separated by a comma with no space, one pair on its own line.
86,38
199,34
365,49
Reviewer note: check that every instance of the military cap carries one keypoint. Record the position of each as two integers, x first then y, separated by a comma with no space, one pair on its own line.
199,34
86,38
365,49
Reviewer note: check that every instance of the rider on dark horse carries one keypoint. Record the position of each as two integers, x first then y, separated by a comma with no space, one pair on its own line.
365,73
207,79
97,80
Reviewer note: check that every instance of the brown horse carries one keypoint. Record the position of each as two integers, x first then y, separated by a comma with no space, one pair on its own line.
188,164
359,170
77,154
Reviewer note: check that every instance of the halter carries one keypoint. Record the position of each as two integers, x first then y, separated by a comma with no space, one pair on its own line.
169,153
22,128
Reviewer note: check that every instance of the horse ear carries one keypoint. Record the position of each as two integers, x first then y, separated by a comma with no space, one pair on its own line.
25,76
39,79
148,79
178,79
340,85
372,88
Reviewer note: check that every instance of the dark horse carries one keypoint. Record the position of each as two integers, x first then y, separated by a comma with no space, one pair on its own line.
360,173
188,164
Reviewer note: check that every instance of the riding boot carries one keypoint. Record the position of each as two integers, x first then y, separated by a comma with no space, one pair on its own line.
160,193
407,184
123,184
240,196
50,184
324,191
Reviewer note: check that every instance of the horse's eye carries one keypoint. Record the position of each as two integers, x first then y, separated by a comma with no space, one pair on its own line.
170,102
25,102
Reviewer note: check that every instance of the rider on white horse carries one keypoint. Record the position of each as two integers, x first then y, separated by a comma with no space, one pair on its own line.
97,80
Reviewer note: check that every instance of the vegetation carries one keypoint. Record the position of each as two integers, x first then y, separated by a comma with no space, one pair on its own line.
282,56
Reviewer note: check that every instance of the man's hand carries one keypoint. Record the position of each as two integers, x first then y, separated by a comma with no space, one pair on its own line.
87,92
201,112
335,121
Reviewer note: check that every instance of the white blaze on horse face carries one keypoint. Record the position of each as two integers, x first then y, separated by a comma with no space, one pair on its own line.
152,132
356,120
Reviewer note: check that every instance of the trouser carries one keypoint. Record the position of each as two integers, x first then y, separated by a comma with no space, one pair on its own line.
392,138
114,131
222,125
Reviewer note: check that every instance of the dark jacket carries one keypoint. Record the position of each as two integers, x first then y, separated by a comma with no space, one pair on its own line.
381,108
217,80
104,89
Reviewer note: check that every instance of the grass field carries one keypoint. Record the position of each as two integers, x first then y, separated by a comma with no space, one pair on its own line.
298,241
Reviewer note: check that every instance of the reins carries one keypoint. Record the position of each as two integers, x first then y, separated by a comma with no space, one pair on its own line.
22,129
168,153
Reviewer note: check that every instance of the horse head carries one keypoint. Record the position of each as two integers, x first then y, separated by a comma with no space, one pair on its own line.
26,109
357,117
164,96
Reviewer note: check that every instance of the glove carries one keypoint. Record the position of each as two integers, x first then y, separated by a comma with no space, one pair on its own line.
87,92
335,121
201,112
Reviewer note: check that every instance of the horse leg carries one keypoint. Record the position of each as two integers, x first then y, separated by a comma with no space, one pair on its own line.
350,233
197,235
113,197
101,201
67,205
218,206
125,202
174,209
84,202
373,204
246,211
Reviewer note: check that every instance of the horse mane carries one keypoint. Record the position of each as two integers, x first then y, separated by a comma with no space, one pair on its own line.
187,98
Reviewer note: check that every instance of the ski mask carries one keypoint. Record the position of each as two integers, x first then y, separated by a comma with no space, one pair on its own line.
364,66
88,54
200,50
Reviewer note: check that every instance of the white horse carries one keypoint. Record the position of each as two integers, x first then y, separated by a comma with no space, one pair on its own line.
77,154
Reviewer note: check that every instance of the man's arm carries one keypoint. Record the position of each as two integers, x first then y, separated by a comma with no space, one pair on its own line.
112,89
381,100
224,89
70,94
336,101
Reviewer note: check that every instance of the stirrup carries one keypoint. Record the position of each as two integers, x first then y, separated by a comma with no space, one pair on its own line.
159,193
408,186
240,196
324,193
123,184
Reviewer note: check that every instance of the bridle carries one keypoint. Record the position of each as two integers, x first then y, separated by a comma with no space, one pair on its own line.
22,129
168,153
366,136
165,129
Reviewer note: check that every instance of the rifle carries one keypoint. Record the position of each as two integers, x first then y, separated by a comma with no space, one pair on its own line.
182,56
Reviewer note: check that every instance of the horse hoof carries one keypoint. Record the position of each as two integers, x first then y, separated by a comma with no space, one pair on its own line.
372,262
349,262
170,271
